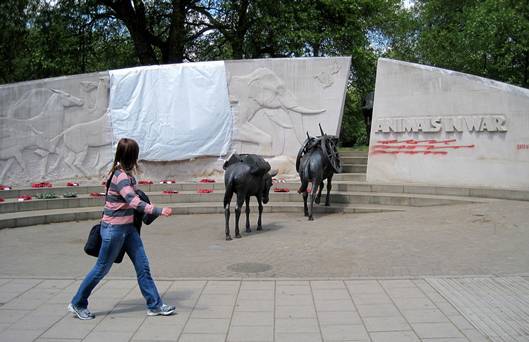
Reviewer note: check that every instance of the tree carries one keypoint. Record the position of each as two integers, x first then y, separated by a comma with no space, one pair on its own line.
12,38
488,38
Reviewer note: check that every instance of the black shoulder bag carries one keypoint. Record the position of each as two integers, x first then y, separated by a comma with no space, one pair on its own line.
93,244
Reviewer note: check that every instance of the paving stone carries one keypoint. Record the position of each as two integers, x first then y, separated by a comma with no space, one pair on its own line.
253,319
425,316
36,321
254,305
331,294
386,324
72,328
157,333
257,285
295,311
207,326
217,311
214,300
256,294
251,333
394,336
335,305
413,303
202,338
475,336
338,318
362,299
296,325
436,330
293,290
114,336
119,324
397,283
378,310
56,340
453,339
364,287
297,337
294,300
405,292
327,284
19,335
10,316
344,332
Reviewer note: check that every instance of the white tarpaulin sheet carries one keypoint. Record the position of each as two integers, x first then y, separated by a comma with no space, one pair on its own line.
174,112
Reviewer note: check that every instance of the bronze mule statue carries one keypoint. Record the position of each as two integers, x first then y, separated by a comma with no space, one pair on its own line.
246,175
317,160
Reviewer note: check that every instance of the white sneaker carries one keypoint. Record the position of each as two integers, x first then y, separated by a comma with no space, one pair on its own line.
164,310
83,314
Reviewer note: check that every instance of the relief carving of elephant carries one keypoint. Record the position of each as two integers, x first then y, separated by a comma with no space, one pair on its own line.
261,90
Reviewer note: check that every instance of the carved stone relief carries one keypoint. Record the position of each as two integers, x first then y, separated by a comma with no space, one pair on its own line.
47,123
326,77
58,129
263,91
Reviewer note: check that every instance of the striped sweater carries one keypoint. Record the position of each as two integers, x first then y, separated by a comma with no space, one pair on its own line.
122,200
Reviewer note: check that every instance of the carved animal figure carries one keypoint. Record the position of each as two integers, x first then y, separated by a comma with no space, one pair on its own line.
246,175
17,135
262,89
17,144
317,161
80,137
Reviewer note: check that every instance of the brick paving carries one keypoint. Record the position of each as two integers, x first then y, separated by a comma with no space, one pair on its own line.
236,310
399,276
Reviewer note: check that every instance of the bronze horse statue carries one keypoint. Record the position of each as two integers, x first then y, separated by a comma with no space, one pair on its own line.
246,175
317,160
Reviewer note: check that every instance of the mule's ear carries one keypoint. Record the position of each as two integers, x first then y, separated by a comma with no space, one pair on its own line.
273,173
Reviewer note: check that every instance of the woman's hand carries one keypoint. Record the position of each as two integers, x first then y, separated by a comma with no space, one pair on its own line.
167,212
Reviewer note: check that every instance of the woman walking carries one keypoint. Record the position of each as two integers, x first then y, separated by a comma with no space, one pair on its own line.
118,231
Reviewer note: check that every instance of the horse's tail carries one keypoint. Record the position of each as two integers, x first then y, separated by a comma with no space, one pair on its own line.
304,175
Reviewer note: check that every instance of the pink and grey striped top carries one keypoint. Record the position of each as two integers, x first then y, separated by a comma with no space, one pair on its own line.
122,200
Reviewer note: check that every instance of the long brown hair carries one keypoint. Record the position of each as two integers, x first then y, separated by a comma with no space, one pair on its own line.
126,157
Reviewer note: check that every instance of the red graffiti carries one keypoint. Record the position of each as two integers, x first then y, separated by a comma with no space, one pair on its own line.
522,146
412,146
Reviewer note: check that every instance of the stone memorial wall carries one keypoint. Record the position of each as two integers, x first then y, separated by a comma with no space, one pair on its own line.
59,128
440,127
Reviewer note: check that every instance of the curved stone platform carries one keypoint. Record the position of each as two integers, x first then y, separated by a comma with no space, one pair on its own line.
347,196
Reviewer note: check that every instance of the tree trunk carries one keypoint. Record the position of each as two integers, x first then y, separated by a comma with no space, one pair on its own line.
135,21
237,41
143,47
174,48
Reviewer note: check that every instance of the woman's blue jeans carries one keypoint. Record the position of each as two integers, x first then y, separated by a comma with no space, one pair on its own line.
114,238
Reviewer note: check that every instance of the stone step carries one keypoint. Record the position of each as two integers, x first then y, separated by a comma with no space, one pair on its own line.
354,168
22,219
352,177
346,182
352,153
82,201
353,160
179,186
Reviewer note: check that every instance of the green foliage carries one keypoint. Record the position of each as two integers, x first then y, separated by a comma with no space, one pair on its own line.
488,38
353,127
